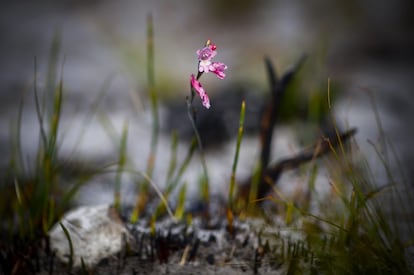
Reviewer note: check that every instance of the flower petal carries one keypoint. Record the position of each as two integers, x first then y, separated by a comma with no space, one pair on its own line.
204,65
218,69
206,53
200,91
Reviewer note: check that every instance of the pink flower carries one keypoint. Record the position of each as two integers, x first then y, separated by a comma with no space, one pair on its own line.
218,68
205,65
204,57
200,91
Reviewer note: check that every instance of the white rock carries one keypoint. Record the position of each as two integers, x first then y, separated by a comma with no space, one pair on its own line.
96,232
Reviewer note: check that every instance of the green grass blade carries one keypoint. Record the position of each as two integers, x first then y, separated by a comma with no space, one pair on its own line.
55,120
121,164
67,235
163,199
18,192
179,211
109,128
39,113
173,159
51,71
91,112
172,184
152,94
254,188
16,164
204,192
236,156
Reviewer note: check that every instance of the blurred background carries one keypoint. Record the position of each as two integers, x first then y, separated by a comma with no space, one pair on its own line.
364,47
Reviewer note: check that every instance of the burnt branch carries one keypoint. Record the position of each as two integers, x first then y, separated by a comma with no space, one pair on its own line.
271,174
269,118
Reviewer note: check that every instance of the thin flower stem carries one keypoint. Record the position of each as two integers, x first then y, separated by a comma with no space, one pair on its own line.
191,116
205,64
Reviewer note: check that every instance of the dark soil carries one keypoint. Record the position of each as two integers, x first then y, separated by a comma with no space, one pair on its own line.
207,246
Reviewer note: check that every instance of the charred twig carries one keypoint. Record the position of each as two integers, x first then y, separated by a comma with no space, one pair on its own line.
272,173
323,146
269,118
193,251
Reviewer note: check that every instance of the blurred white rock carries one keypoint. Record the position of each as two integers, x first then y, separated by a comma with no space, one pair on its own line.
96,232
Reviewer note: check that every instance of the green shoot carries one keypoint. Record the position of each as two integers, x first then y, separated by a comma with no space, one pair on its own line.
236,156
254,188
142,197
65,230
173,160
230,202
179,211
152,95
172,184
121,164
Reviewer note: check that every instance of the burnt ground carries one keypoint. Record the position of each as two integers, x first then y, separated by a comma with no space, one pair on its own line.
176,248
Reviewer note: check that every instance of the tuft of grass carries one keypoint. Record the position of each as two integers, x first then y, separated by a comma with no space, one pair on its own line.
232,185
351,234
34,193
174,175
143,196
